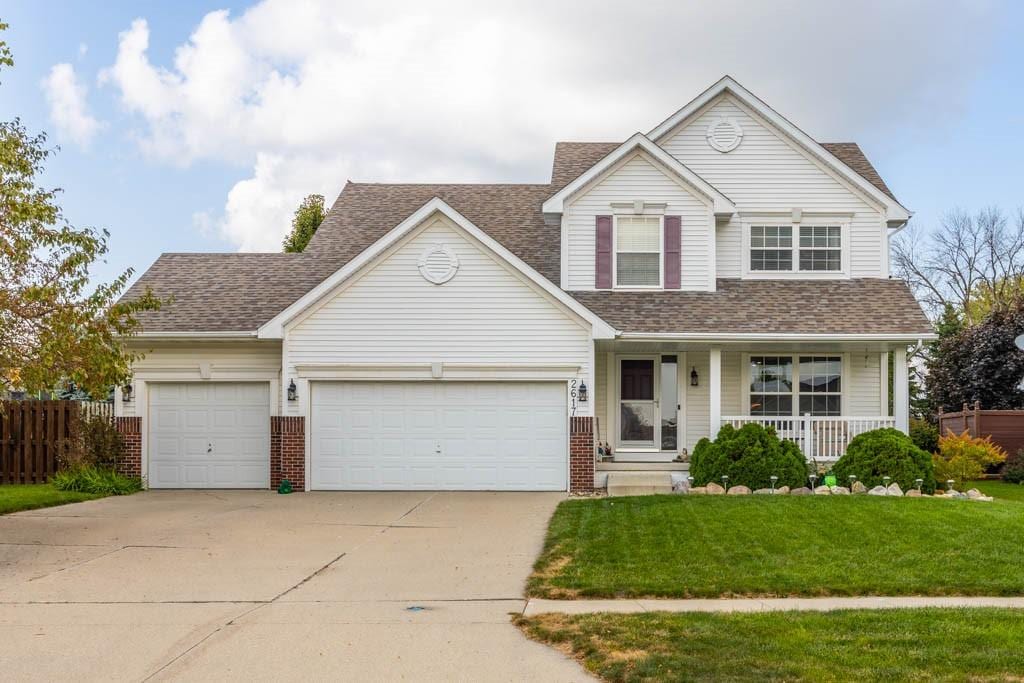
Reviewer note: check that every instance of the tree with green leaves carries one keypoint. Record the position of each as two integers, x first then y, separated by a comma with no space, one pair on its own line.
308,218
56,327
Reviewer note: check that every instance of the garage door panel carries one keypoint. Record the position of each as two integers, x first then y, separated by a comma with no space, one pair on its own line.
209,435
439,435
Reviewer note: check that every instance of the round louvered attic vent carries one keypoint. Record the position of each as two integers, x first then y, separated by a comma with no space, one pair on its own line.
724,134
438,264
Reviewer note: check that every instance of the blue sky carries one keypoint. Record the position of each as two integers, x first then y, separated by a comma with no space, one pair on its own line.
205,139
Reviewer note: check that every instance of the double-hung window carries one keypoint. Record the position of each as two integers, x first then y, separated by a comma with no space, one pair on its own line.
796,249
795,385
638,245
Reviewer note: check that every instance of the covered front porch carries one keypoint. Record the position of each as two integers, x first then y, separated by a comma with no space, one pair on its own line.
654,399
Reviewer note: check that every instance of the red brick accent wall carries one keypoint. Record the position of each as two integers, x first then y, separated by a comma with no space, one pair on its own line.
581,454
288,451
129,462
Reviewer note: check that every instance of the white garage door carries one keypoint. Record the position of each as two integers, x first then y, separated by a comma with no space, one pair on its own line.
209,435
488,436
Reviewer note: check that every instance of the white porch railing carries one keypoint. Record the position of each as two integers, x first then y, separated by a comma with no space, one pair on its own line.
820,438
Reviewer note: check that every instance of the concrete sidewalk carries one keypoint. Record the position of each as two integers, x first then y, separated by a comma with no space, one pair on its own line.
536,606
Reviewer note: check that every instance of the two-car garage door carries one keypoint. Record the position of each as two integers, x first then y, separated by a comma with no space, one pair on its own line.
439,435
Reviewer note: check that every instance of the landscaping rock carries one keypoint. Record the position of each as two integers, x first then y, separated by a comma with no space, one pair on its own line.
859,488
802,491
738,490
983,499
840,491
822,491
974,493
894,490
914,493
714,489
763,492
782,491
697,490
877,491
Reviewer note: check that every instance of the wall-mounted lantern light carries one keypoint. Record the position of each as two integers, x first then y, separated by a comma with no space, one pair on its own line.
293,394
126,393
694,379
583,392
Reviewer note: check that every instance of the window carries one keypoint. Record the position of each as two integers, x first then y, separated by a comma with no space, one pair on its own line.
771,247
638,251
818,249
781,386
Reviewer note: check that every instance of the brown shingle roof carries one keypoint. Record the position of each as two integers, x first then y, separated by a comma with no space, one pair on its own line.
851,154
225,292
766,306
365,212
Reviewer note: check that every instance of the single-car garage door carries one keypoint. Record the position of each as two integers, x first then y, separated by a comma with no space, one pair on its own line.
490,436
209,435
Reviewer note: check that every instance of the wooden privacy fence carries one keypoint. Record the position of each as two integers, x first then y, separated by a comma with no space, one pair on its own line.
1006,427
34,438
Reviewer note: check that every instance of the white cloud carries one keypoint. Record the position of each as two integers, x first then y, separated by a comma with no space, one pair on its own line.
308,93
69,111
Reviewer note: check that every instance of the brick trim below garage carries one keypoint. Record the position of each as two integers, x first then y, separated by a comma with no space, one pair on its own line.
288,451
129,461
581,454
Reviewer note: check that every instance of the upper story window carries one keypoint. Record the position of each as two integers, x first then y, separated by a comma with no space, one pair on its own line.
796,249
638,245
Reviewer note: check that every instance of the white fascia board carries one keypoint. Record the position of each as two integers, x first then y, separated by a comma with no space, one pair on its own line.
274,328
240,334
722,204
761,337
894,210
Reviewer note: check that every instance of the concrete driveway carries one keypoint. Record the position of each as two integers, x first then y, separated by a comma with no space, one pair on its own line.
253,585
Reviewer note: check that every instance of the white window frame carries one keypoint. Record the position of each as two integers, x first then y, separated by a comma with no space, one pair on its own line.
844,378
661,251
807,220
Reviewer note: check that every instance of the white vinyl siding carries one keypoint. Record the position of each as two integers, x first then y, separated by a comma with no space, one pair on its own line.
486,314
863,389
768,173
639,178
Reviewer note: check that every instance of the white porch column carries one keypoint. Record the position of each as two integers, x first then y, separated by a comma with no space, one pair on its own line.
883,383
900,389
715,391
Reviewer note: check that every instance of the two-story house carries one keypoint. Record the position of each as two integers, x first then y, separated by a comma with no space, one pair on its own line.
722,268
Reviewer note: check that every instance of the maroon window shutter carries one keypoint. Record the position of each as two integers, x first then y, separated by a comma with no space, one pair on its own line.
603,265
672,252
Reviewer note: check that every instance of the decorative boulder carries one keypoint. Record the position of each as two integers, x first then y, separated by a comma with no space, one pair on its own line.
697,490
822,491
738,491
840,491
714,489
782,491
858,487
763,492
914,493
984,499
878,491
894,490
974,493
802,491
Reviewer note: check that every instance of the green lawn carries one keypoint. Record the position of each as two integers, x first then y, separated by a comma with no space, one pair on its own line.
999,489
15,497
869,645
711,546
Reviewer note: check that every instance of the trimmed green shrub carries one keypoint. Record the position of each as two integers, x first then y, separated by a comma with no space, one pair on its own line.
963,457
924,434
93,479
1013,470
885,453
98,442
749,455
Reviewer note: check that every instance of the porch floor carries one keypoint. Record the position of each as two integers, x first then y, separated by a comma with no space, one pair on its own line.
635,466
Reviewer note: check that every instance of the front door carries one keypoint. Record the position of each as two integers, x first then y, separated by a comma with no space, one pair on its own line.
638,407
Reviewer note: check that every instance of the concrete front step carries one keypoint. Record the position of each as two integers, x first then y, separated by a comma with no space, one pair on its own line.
639,483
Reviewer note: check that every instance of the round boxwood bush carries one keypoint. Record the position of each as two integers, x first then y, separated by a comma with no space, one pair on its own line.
750,456
885,453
